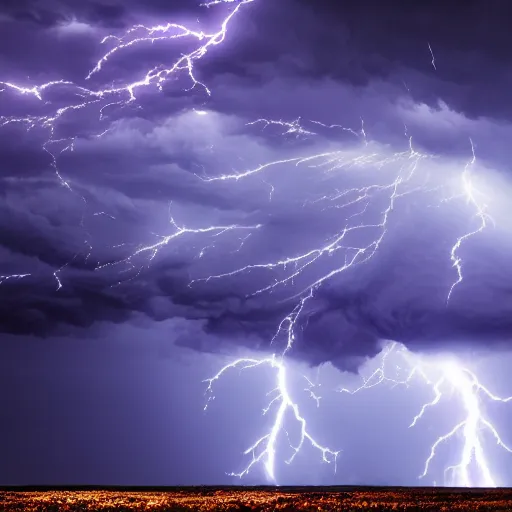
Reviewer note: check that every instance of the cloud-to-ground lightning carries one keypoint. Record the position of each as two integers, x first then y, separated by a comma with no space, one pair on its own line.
404,166
400,182
447,378
264,449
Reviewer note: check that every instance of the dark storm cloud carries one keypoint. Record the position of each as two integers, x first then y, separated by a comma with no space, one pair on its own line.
358,43
350,63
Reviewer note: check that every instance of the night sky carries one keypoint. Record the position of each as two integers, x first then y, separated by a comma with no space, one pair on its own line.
312,192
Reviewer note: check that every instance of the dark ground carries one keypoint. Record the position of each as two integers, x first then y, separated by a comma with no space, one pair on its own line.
255,499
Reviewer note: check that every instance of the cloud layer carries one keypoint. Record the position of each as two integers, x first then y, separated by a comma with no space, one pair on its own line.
148,176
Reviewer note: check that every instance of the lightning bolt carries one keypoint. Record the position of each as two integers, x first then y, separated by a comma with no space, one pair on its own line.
150,251
473,198
263,451
433,61
446,377
355,205
137,35
4,279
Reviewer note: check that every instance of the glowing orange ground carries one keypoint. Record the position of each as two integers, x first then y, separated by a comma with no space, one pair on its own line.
257,499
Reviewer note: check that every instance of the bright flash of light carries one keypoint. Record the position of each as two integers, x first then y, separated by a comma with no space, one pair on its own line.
263,451
447,378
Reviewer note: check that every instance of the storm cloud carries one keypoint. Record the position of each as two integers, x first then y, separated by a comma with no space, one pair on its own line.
157,157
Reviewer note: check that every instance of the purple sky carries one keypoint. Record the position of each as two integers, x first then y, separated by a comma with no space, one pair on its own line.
110,334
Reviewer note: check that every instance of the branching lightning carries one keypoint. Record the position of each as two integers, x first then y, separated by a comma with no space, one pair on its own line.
137,35
264,449
152,250
447,378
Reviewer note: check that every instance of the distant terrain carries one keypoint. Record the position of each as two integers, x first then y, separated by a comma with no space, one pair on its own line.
255,499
